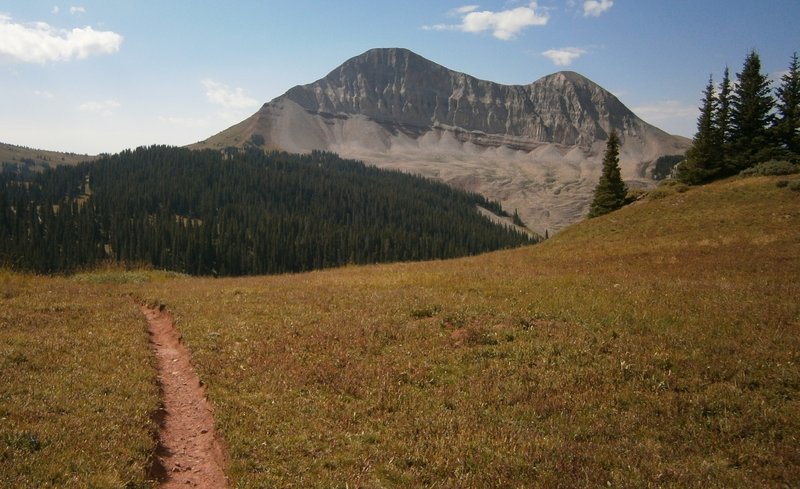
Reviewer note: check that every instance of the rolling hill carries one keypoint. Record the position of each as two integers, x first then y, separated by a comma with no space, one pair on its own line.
656,346
34,159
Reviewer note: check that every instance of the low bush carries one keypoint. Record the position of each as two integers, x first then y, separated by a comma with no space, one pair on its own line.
772,167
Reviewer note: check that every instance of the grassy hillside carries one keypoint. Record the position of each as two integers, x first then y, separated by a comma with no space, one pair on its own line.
38,158
658,346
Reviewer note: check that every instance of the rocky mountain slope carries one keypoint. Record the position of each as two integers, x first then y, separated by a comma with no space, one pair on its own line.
536,148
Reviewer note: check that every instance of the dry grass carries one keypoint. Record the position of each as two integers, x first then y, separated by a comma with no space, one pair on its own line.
78,386
16,154
658,346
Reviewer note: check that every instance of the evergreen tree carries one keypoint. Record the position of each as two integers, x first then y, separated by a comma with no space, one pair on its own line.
787,124
704,158
751,107
609,195
723,117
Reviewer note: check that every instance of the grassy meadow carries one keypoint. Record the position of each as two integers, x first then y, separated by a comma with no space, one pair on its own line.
78,388
658,346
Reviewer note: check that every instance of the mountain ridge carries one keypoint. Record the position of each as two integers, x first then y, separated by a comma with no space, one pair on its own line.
534,147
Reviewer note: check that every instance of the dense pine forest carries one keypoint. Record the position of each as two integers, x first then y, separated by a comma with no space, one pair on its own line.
235,213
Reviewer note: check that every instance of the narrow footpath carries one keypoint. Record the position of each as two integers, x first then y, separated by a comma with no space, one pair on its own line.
189,453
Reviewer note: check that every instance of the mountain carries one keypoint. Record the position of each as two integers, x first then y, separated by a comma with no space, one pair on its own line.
536,148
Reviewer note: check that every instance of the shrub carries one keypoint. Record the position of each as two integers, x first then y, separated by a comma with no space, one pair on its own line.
667,188
772,167
781,183
634,194
795,186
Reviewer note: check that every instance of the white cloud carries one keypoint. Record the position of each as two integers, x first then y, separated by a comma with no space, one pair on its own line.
504,24
564,56
77,10
38,42
230,98
44,94
464,10
102,107
55,10
593,8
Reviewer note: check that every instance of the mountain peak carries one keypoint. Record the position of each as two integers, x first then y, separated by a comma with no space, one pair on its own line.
398,87
513,143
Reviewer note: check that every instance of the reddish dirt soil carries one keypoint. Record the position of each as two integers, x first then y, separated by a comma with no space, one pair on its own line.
189,453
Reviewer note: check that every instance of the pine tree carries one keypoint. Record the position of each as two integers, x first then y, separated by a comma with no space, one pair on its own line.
787,124
704,158
609,195
722,118
751,107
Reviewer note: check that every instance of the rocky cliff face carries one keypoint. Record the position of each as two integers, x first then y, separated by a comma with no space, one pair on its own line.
398,87
536,147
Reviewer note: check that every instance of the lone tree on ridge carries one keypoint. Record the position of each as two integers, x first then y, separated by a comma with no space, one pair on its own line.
609,195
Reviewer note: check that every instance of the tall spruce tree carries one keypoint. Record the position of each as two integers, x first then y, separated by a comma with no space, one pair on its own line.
787,124
704,159
609,195
751,107
722,118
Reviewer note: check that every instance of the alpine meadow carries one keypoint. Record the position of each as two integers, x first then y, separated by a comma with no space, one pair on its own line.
259,251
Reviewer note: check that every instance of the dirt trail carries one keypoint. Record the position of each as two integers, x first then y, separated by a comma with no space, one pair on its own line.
189,453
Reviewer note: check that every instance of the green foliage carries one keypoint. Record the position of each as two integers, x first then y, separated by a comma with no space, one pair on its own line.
516,219
738,129
772,167
609,195
664,165
666,188
787,123
704,158
751,115
237,213
257,140
723,118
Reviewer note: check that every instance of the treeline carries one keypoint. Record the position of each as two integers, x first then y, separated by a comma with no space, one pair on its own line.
206,212
745,123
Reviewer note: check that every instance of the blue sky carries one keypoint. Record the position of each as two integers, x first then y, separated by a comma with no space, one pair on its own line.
102,76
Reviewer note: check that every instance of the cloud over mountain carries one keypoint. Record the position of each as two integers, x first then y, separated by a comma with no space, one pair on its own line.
229,98
564,56
503,24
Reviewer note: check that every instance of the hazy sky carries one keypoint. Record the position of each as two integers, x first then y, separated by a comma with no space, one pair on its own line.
102,76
